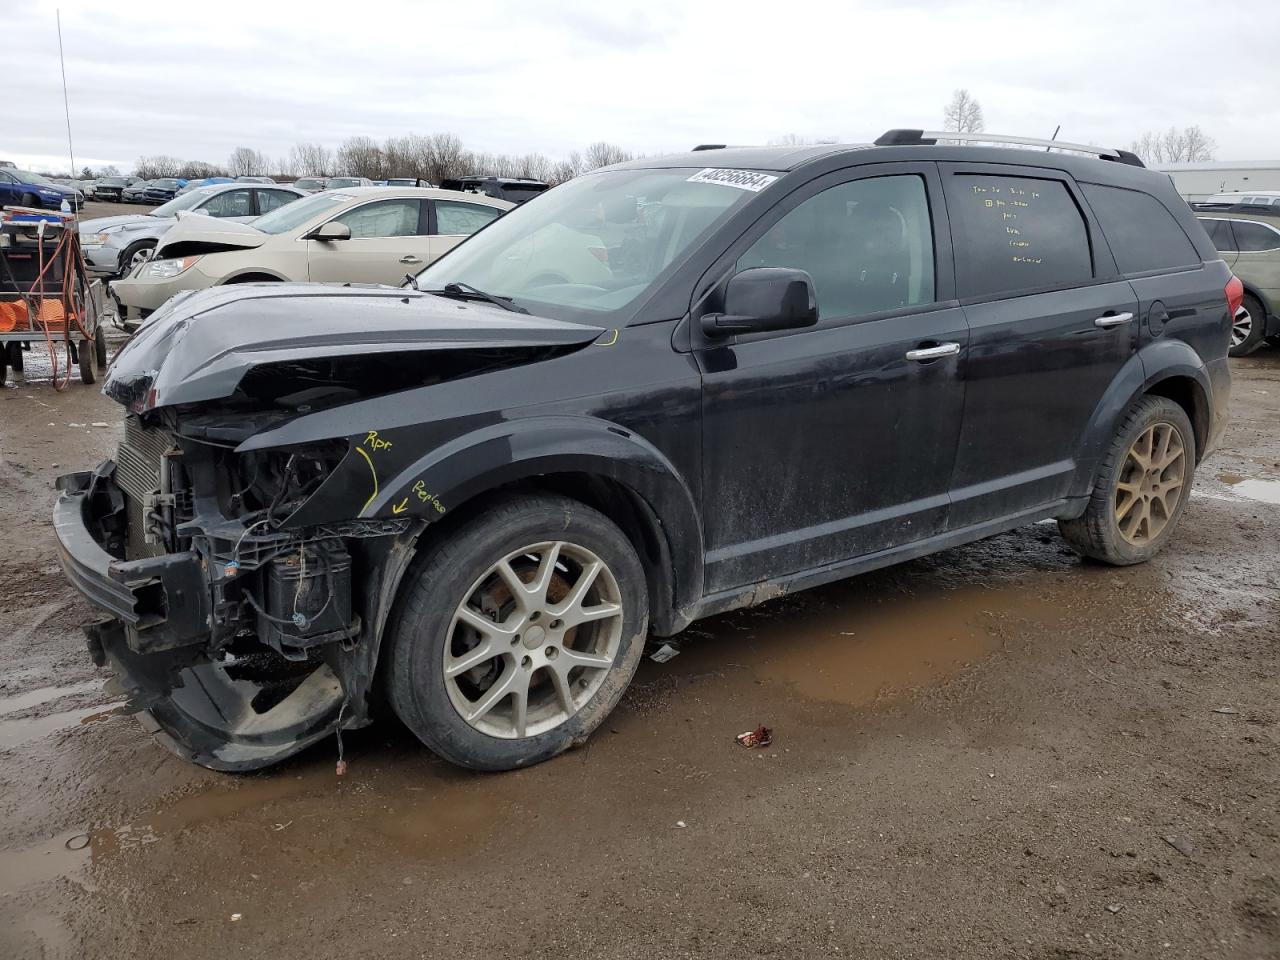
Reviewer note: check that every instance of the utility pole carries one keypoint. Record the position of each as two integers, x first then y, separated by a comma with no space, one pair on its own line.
66,104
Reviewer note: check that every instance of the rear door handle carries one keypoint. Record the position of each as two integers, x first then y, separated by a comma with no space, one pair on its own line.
933,353
1113,320
410,258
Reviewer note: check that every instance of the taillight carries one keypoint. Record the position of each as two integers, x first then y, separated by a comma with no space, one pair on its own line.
1235,295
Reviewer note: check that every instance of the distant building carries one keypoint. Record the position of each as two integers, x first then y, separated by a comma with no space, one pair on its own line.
1199,181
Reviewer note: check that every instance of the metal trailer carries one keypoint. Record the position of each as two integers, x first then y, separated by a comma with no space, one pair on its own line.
47,295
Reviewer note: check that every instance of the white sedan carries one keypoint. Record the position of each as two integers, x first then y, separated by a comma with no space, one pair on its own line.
362,235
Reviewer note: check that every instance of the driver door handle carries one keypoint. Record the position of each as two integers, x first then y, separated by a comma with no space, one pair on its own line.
1113,320
410,258
933,353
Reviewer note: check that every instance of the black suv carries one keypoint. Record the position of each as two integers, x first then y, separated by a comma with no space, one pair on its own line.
660,391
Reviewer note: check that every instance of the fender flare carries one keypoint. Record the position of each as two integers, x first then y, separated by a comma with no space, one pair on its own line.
1153,363
456,472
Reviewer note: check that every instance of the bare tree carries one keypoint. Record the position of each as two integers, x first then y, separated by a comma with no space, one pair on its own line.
247,162
566,169
446,156
198,170
284,168
153,168
602,154
1174,146
311,160
361,157
963,114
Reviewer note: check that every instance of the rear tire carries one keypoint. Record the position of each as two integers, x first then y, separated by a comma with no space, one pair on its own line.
1140,488
1248,327
87,357
463,632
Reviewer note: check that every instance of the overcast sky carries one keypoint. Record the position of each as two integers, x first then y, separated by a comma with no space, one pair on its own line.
195,81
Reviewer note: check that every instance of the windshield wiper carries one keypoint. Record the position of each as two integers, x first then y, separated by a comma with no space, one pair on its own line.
465,291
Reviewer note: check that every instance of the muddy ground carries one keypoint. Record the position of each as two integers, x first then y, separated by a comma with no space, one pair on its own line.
999,751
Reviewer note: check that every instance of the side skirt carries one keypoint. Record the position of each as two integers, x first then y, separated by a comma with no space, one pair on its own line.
756,593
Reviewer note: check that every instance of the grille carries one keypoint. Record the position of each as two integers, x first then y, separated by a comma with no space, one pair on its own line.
138,475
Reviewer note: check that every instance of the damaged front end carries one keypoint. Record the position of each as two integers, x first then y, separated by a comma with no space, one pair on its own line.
241,642
246,590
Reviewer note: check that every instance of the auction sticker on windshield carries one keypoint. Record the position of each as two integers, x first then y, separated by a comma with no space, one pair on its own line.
742,179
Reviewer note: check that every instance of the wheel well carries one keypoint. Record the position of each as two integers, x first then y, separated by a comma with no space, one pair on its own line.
626,508
1189,395
253,278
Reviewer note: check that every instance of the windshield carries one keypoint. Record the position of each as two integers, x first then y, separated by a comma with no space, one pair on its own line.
338,182
26,176
309,183
183,201
295,214
592,245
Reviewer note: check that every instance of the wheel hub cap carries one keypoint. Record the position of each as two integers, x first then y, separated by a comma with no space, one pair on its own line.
533,640
1151,483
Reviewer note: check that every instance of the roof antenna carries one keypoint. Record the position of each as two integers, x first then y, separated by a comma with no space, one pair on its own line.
1054,137
66,104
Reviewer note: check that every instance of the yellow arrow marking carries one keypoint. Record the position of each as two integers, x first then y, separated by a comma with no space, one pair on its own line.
400,507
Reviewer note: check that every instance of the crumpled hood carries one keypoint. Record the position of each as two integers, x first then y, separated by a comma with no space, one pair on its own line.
204,229
200,345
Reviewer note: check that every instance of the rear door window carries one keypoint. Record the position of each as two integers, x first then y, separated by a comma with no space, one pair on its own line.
867,244
269,200
1255,237
454,218
1015,235
1142,233
1219,232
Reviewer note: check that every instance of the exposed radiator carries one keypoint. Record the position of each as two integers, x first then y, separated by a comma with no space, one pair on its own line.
138,475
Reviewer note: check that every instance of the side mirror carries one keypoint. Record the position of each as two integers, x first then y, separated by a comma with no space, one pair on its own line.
330,231
764,298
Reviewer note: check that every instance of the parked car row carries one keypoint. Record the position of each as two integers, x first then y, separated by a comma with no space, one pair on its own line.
238,233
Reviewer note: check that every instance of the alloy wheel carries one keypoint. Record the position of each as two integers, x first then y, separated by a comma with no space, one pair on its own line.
1241,326
1151,483
533,640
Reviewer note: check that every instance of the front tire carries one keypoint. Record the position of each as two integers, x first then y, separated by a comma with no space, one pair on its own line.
1141,486
1248,327
135,254
518,634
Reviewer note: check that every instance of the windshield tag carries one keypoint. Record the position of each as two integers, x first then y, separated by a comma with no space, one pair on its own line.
742,179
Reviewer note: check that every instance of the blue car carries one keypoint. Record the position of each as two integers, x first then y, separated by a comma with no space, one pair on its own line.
23,188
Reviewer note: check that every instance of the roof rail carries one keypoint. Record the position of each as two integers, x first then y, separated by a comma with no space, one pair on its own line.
929,137
708,146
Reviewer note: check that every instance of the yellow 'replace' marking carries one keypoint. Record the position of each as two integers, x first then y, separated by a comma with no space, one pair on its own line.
369,461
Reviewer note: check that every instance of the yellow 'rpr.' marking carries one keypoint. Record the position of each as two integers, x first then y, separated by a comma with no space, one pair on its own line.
369,461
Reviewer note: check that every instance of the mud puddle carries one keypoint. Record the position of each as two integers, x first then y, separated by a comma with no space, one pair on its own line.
34,698
1252,488
16,732
853,645
64,855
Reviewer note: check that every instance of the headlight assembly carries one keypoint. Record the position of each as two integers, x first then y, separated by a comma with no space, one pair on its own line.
164,269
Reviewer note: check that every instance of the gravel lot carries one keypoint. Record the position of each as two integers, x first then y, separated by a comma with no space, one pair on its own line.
1000,751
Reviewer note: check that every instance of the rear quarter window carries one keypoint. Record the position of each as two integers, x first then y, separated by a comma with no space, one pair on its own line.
1142,233
1219,232
1255,237
1016,235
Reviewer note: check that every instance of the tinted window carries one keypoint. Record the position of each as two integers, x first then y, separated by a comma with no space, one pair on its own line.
1015,234
1219,234
1142,233
1253,237
229,203
269,200
385,218
867,244
454,218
